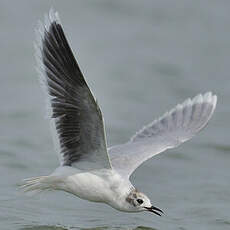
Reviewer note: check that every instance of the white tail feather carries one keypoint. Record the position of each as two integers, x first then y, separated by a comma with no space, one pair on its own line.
39,184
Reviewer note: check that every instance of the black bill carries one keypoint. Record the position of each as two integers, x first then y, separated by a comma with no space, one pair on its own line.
155,210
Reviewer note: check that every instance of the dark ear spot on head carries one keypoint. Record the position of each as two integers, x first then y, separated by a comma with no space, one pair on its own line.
128,199
131,201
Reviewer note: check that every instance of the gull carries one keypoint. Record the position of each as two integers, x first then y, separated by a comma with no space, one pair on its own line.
88,168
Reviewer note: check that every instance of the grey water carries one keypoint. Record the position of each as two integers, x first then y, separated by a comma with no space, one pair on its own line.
140,58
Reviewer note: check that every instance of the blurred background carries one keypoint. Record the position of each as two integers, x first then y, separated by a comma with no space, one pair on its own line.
140,58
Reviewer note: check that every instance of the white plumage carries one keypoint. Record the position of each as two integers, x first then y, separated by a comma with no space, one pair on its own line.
87,168
173,128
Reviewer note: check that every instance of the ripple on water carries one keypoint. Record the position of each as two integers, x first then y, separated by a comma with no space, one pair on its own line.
223,222
48,227
224,148
44,227
144,228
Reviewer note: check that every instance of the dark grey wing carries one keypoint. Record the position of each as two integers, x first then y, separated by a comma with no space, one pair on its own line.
76,115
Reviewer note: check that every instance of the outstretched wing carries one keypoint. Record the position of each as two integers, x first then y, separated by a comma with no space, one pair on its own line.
76,115
169,131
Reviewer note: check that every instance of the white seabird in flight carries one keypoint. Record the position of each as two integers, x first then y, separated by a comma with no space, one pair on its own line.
88,169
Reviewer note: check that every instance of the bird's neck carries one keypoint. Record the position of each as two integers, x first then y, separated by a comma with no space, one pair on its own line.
120,193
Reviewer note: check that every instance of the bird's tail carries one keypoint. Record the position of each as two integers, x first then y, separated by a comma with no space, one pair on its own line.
39,184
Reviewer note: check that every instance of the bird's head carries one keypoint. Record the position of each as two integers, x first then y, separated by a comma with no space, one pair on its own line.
138,202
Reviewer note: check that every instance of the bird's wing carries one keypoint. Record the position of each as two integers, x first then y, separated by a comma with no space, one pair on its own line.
169,131
77,118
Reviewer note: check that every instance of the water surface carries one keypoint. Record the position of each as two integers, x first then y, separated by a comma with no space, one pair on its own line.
140,58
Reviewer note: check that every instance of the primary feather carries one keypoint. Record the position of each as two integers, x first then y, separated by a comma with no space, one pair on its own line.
77,118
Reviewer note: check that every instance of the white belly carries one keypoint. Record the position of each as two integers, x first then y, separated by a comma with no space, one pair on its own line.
98,186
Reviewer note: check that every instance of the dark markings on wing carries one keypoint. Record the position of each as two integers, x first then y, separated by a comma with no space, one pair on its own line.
78,119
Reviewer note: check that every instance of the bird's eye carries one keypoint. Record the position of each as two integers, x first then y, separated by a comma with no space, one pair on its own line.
140,201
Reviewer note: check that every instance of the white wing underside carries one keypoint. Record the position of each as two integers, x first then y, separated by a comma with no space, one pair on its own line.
169,131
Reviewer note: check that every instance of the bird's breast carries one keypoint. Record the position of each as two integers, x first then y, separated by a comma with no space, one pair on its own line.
97,186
